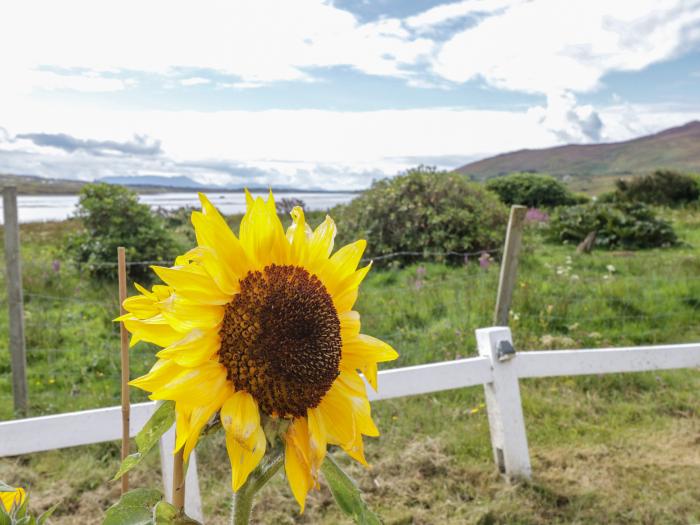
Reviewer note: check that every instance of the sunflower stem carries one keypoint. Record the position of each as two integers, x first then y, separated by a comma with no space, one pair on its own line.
242,501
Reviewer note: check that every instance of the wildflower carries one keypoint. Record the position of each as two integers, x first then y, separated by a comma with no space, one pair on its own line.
260,329
484,260
56,265
610,268
536,215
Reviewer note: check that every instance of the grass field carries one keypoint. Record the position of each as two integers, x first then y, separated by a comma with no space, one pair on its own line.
609,449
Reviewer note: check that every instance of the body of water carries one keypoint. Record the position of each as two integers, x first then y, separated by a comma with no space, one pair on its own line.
37,208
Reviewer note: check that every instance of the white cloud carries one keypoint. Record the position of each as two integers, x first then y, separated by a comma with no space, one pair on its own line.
331,149
255,40
28,81
441,14
194,81
553,46
569,121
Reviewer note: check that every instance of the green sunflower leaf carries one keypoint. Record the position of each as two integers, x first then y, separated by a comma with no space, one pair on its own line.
47,514
347,494
160,422
133,508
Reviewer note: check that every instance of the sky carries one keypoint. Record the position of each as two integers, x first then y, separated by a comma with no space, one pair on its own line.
331,94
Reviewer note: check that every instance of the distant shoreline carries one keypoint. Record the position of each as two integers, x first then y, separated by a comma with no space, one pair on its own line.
154,190
32,185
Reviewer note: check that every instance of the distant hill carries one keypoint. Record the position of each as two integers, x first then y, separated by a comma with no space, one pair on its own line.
33,185
153,180
675,148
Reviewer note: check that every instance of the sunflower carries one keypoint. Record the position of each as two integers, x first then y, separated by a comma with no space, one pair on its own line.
13,498
260,329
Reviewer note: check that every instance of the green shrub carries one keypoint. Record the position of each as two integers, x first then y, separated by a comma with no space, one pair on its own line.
533,190
617,225
423,210
662,187
111,216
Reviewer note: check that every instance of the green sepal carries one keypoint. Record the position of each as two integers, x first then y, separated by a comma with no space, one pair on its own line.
165,514
347,494
159,423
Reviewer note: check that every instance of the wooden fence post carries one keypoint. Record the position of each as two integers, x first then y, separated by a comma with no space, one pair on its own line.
15,300
509,264
124,347
504,406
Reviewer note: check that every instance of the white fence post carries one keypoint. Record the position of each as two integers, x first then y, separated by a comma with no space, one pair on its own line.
193,501
504,406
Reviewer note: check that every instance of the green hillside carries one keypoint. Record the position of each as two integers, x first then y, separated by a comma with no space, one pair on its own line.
589,167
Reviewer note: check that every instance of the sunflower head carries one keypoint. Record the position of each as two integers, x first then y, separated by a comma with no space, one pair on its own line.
259,327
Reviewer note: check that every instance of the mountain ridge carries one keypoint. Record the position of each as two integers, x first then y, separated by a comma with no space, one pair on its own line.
673,148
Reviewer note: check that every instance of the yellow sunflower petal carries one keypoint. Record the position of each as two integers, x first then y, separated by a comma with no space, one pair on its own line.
317,442
296,460
200,416
12,499
193,349
335,411
346,292
183,413
212,232
356,450
361,350
352,387
370,372
141,306
245,439
298,235
342,264
160,375
194,283
262,235
198,386
349,325
154,330
221,273
321,242
244,459
240,416
185,315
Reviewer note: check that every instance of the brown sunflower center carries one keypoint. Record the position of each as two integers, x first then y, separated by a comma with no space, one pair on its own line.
280,340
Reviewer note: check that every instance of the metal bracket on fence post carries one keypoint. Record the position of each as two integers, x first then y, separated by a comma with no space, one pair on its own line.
504,406
193,502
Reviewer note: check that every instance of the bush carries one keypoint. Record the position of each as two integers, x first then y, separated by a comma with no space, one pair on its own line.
533,190
423,210
111,217
617,225
662,187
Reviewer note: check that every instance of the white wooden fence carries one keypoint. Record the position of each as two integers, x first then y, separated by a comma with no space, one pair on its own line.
498,368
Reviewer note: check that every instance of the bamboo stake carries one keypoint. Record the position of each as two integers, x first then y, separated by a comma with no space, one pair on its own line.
121,259
179,479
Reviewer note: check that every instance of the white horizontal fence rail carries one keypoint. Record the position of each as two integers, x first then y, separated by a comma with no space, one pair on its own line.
498,368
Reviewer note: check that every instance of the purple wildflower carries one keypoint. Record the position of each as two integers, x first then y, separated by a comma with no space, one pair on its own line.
536,215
